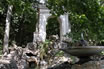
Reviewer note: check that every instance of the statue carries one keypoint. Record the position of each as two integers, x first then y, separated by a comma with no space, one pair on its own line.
83,42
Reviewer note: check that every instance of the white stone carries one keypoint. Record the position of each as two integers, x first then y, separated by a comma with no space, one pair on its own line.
44,15
42,1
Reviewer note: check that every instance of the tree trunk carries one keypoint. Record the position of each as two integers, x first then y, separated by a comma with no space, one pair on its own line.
7,28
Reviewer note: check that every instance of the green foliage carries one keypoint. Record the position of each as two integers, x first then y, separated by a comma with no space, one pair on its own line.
59,53
44,48
53,27
102,52
47,50
85,16
56,6
23,20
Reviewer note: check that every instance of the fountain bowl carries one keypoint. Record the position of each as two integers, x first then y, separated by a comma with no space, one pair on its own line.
84,51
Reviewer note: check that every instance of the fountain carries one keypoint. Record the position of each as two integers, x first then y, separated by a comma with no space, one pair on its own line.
84,52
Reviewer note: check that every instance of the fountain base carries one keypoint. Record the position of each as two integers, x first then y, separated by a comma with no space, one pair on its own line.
89,65
83,60
84,54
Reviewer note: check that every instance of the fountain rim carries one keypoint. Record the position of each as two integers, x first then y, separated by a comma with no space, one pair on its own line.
81,47
88,50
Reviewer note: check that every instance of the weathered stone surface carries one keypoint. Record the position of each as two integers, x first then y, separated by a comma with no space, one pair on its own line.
11,65
90,65
87,65
19,58
64,65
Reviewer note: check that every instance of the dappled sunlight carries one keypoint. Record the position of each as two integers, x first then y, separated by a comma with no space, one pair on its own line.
51,34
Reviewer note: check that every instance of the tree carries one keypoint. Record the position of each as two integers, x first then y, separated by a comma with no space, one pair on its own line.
22,12
85,16
53,24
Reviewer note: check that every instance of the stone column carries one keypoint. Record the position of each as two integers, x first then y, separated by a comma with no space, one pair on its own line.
43,16
42,26
65,26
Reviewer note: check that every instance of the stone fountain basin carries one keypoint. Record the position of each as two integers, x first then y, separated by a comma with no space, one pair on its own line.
84,51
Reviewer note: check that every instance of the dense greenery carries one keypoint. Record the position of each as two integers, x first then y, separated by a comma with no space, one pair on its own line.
53,27
23,20
86,16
